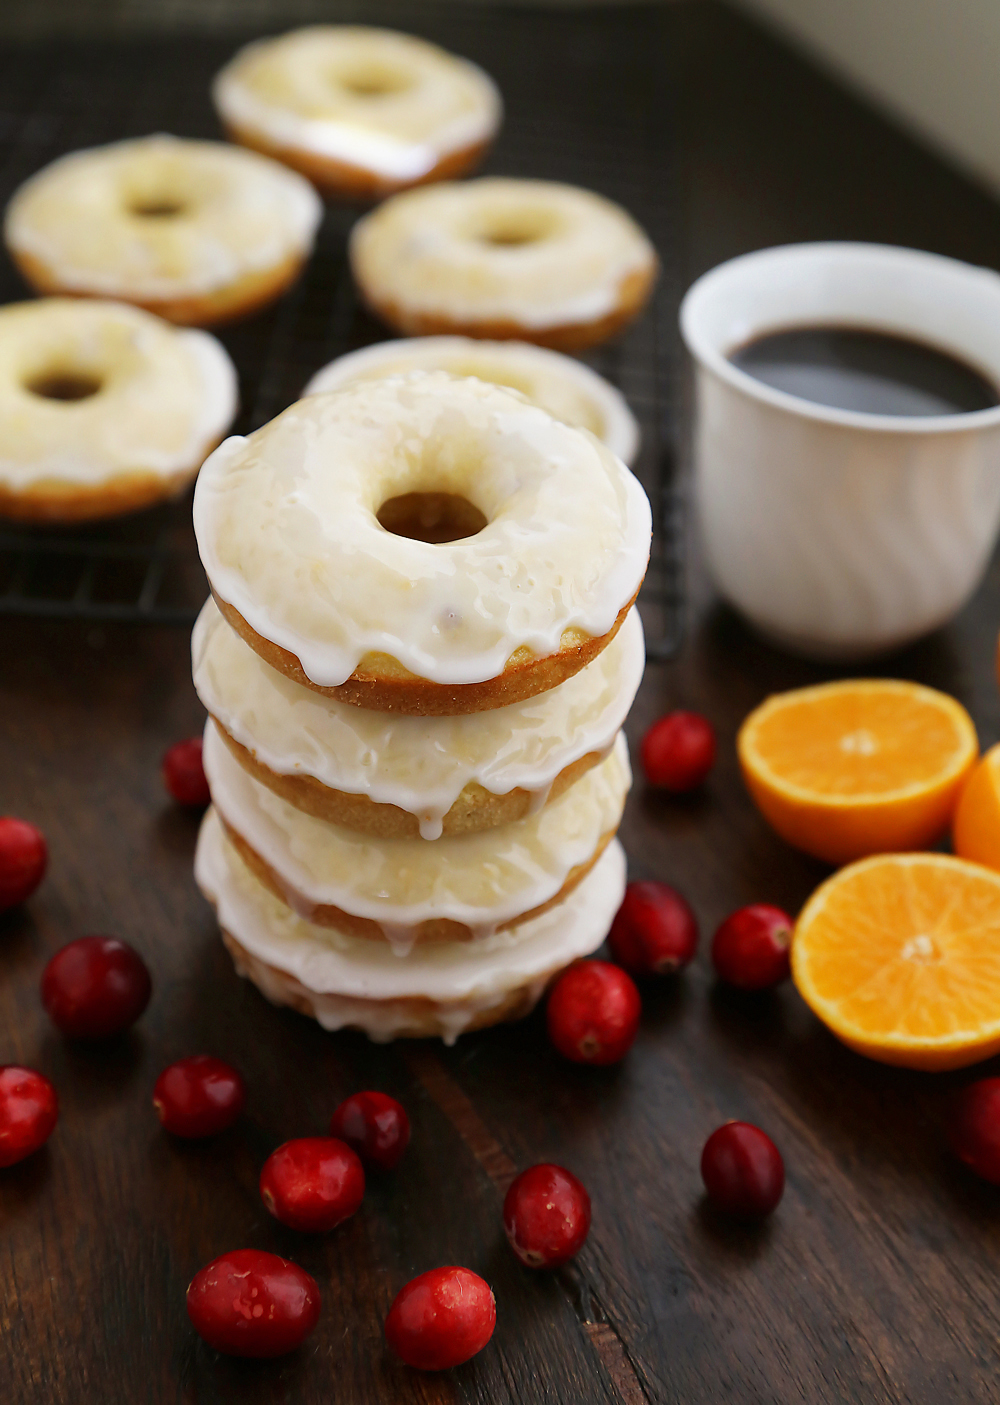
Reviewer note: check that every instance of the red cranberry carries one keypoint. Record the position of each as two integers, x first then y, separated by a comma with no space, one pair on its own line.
198,1096
249,1303
24,856
29,1110
95,987
654,932
375,1126
593,1013
974,1128
441,1319
751,948
312,1183
546,1213
742,1170
184,775
678,751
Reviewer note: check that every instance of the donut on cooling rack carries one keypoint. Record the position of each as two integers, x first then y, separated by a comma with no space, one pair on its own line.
104,408
395,777
532,260
567,389
361,112
196,231
466,552
442,988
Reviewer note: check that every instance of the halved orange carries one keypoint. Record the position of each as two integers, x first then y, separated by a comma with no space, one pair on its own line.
975,832
865,766
899,955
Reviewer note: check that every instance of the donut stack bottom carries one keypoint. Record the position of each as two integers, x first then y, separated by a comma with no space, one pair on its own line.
439,991
393,983
409,935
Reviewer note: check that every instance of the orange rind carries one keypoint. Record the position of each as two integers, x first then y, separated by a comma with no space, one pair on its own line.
976,827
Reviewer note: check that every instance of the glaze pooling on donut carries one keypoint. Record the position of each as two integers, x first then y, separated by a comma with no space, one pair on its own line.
421,765
483,880
327,962
288,533
93,391
158,218
567,389
386,103
500,252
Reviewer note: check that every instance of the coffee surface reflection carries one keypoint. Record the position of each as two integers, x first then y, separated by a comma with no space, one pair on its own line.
876,373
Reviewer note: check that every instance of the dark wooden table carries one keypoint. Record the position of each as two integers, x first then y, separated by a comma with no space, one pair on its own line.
874,1281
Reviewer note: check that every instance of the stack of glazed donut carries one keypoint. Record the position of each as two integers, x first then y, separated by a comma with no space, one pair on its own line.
420,650
421,643
109,408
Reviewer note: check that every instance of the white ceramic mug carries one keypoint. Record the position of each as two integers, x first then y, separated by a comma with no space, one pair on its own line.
835,532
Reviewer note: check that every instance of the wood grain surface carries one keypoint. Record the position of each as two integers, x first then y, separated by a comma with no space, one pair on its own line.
875,1279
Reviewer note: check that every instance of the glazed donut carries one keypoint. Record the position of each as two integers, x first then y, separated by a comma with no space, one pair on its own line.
103,408
567,389
196,231
397,777
467,552
445,989
361,112
404,891
525,259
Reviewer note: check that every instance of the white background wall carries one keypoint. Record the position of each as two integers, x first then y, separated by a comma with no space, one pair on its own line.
935,63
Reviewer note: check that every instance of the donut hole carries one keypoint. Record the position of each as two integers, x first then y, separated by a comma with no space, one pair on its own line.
156,207
510,229
68,385
431,517
373,80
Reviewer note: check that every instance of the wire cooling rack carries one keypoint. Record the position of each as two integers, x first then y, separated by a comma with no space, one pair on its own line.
585,103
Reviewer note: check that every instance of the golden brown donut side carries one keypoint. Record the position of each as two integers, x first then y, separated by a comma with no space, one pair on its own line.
56,500
343,181
475,809
382,684
421,1015
235,300
438,929
633,294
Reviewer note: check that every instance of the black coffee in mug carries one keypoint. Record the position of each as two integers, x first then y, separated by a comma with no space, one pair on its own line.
850,368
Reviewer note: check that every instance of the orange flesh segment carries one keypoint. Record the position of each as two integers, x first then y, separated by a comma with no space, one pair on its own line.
851,741
902,952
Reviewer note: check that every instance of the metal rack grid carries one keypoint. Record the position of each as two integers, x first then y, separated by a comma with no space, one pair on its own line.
585,104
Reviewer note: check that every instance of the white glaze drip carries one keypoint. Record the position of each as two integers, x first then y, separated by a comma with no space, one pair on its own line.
238,213
401,938
567,389
420,764
535,253
287,529
327,962
481,879
539,799
300,91
382,1022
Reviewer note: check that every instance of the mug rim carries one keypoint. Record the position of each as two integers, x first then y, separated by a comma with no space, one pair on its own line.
708,355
